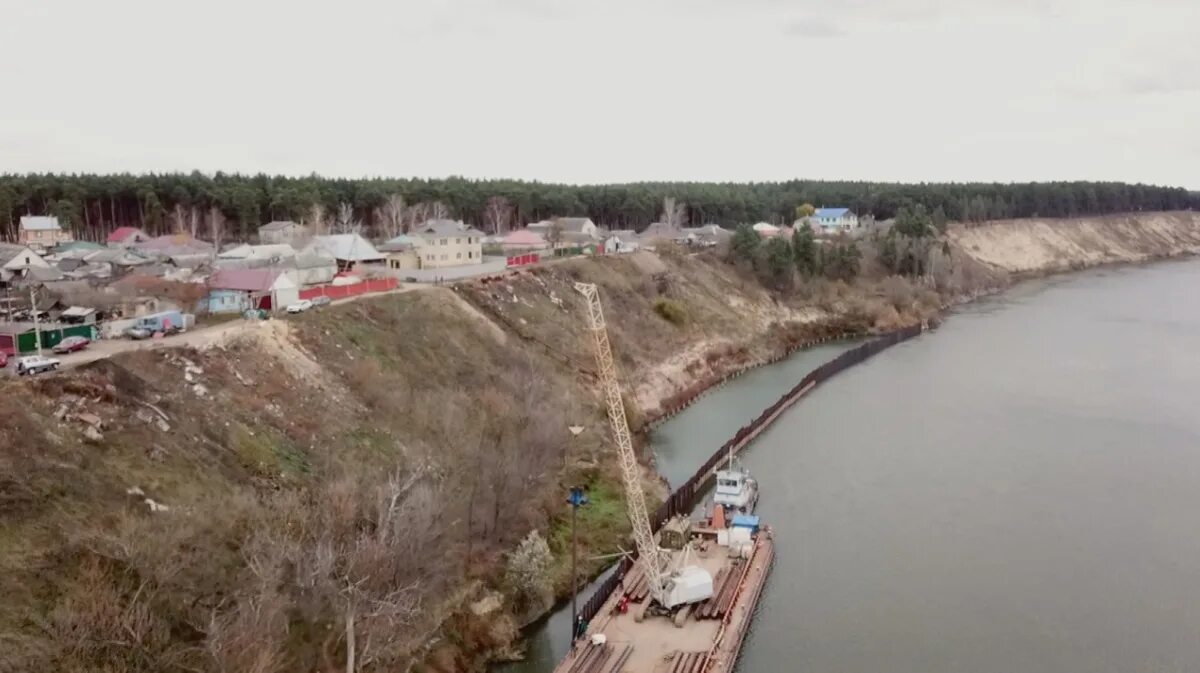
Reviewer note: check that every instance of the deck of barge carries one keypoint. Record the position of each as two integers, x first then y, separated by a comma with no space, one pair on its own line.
656,645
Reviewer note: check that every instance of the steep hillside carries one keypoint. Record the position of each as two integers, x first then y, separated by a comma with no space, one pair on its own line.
344,482
1048,245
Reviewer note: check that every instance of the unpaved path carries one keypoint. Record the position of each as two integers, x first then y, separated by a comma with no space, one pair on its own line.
197,337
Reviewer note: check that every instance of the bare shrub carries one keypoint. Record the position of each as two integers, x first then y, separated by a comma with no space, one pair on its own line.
526,574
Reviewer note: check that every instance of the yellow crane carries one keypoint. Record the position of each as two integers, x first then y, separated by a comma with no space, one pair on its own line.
654,559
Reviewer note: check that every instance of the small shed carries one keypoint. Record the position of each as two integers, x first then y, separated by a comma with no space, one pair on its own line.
78,315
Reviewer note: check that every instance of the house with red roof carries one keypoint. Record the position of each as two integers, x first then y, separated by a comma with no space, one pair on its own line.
236,290
124,237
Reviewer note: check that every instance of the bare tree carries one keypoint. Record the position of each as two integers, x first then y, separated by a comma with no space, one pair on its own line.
179,218
315,220
391,214
420,213
345,222
216,227
673,213
497,215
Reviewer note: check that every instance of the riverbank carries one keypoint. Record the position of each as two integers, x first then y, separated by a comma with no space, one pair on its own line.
347,432
985,245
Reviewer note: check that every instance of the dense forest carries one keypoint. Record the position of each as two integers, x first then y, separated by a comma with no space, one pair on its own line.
94,205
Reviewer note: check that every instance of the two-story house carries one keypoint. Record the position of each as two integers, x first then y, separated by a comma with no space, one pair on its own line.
42,231
283,232
442,243
834,220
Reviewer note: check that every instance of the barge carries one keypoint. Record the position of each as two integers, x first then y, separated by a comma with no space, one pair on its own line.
731,548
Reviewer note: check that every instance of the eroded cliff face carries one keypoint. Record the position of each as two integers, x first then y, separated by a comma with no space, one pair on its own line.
1050,245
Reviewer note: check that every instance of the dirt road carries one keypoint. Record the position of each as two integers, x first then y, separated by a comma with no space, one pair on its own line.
197,337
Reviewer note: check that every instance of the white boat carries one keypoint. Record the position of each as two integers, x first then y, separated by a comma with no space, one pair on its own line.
736,490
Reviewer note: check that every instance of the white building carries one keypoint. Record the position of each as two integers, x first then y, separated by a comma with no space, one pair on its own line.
442,243
349,249
834,220
16,259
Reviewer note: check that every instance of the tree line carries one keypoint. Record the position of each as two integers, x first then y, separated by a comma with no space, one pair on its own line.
93,205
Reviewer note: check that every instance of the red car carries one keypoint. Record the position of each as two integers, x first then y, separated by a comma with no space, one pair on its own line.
71,344
3,359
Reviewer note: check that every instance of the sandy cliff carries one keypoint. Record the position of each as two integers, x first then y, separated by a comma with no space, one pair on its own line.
1048,245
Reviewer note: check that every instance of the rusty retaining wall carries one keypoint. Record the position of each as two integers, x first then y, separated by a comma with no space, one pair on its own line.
684,499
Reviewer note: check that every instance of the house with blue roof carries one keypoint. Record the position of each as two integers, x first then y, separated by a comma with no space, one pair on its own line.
833,220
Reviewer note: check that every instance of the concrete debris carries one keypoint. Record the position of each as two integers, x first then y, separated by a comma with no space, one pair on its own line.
134,490
91,419
162,425
155,506
61,412
241,379
575,429
200,390
92,433
187,376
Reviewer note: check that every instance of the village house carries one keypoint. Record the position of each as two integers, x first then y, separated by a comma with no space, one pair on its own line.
566,229
834,220
41,231
621,240
708,235
283,232
272,252
521,240
17,261
401,252
444,243
314,265
349,250
124,237
236,290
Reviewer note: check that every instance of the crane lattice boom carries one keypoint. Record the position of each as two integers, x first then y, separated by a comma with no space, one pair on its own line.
648,550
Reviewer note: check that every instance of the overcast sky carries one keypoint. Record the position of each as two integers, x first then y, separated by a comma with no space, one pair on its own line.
607,90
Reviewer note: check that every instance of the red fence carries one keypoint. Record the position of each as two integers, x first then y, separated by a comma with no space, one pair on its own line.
523,260
343,291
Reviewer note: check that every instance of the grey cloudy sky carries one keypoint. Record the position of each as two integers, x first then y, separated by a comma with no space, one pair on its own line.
607,90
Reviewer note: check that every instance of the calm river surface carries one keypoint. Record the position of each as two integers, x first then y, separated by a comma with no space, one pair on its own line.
1018,491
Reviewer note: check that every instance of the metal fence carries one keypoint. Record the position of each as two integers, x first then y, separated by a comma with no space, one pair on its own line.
685,498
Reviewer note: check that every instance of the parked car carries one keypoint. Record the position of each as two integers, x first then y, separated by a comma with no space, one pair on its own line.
71,344
36,364
138,333
300,306
321,300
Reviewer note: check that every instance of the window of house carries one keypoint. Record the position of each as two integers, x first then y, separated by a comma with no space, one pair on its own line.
443,241
458,256
457,241
445,257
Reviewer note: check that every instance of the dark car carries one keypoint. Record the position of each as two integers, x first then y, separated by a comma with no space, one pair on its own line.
71,344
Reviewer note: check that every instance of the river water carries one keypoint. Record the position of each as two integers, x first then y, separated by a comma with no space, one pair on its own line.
1017,491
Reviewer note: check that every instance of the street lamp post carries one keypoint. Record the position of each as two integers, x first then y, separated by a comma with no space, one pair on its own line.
577,499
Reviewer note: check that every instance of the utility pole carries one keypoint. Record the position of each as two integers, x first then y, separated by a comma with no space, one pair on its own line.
37,332
577,499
